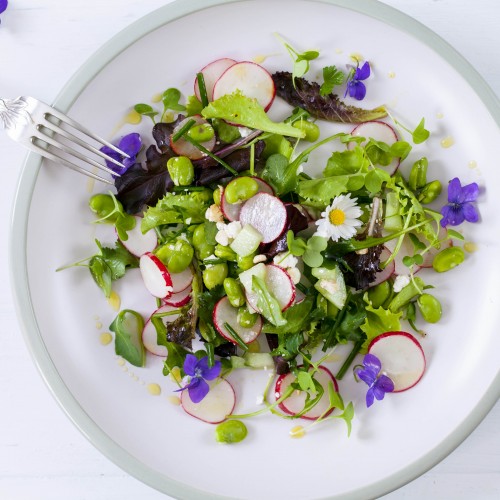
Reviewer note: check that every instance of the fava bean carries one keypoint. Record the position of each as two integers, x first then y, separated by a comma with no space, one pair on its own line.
234,292
201,132
379,294
245,263
246,318
181,170
429,307
418,174
231,431
311,129
226,253
202,248
177,255
103,206
240,189
217,196
409,292
430,192
448,259
215,275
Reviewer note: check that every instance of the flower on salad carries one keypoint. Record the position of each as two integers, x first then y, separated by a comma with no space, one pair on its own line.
198,372
355,86
3,6
460,205
340,219
378,384
130,144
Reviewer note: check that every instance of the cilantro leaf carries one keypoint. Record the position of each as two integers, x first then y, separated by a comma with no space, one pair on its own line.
332,77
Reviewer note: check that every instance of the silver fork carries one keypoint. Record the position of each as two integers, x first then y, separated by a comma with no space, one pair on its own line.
39,127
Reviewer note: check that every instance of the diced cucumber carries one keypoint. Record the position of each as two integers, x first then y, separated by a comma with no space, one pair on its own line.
246,241
246,276
258,360
331,284
393,220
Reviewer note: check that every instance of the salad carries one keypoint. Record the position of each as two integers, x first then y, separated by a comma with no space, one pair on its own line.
256,265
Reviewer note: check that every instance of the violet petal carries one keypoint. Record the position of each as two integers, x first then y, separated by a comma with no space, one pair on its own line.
470,192
130,144
198,390
363,73
209,373
384,383
454,191
369,397
190,365
357,90
470,213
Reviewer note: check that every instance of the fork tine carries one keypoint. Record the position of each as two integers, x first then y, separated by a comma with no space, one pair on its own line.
59,159
73,152
80,128
58,130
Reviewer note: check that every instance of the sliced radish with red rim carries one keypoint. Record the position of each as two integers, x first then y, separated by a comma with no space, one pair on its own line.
139,243
388,270
224,313
179,299
378,131
149,334
251,79
211,73
215,406
267,214
401,356
155,275
278,282
231,211
294,404
182,280
183,147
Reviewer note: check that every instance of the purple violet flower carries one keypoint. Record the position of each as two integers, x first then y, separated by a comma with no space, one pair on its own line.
130,144
355,87
460,204
199,372
3,6
378,384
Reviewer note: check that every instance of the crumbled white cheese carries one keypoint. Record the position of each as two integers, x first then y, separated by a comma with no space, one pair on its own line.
329,286
294,274
227,232
285,260
259,400
214,214
259,258
188,221
244,131
400,282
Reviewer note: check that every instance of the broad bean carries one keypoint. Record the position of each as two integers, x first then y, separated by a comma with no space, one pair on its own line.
430,192
448,259
231,431
201,132
429,307
214,275
177,255
234,292
311,129
181,170
246,318
379,294
240,189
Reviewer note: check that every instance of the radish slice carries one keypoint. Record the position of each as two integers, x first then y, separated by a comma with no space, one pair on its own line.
405,249
184,148
278,282
182,280
267,214
155,276
379,131
251,79
149,335
402,358
215,406
388,270
231,211
224,313
179,299
211,73
138,243
295,403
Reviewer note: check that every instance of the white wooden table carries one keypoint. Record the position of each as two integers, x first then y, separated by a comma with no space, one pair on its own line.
42,455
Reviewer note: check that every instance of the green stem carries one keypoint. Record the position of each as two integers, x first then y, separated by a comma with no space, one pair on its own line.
347,363
288,392
235,336
203,89
209,153
183,130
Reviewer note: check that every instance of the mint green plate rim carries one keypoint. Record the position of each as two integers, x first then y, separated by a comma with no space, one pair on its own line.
18,245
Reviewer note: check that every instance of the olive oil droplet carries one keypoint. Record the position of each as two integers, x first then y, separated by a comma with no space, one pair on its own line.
154,389
297,432
392,74
114,301
105,338
133,118
156,98
447,142
470,247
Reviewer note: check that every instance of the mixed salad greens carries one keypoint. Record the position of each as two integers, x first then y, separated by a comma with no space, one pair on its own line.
256,265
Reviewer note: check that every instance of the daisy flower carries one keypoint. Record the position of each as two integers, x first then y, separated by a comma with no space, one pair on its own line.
340,219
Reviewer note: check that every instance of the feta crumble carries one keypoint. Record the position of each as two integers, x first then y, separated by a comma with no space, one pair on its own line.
400,282
214,214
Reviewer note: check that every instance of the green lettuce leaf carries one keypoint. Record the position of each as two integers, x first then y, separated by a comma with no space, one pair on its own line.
379,320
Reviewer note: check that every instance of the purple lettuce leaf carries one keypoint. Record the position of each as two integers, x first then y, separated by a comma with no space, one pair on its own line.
306,95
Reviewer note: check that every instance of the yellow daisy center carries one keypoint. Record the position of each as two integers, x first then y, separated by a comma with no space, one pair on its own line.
337,217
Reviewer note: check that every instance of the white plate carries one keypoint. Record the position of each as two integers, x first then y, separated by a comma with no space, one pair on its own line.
416,74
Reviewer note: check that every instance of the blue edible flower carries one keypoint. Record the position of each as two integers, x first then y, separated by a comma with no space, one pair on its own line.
355,87
199,372
130,144
3,6
378,384
460,205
